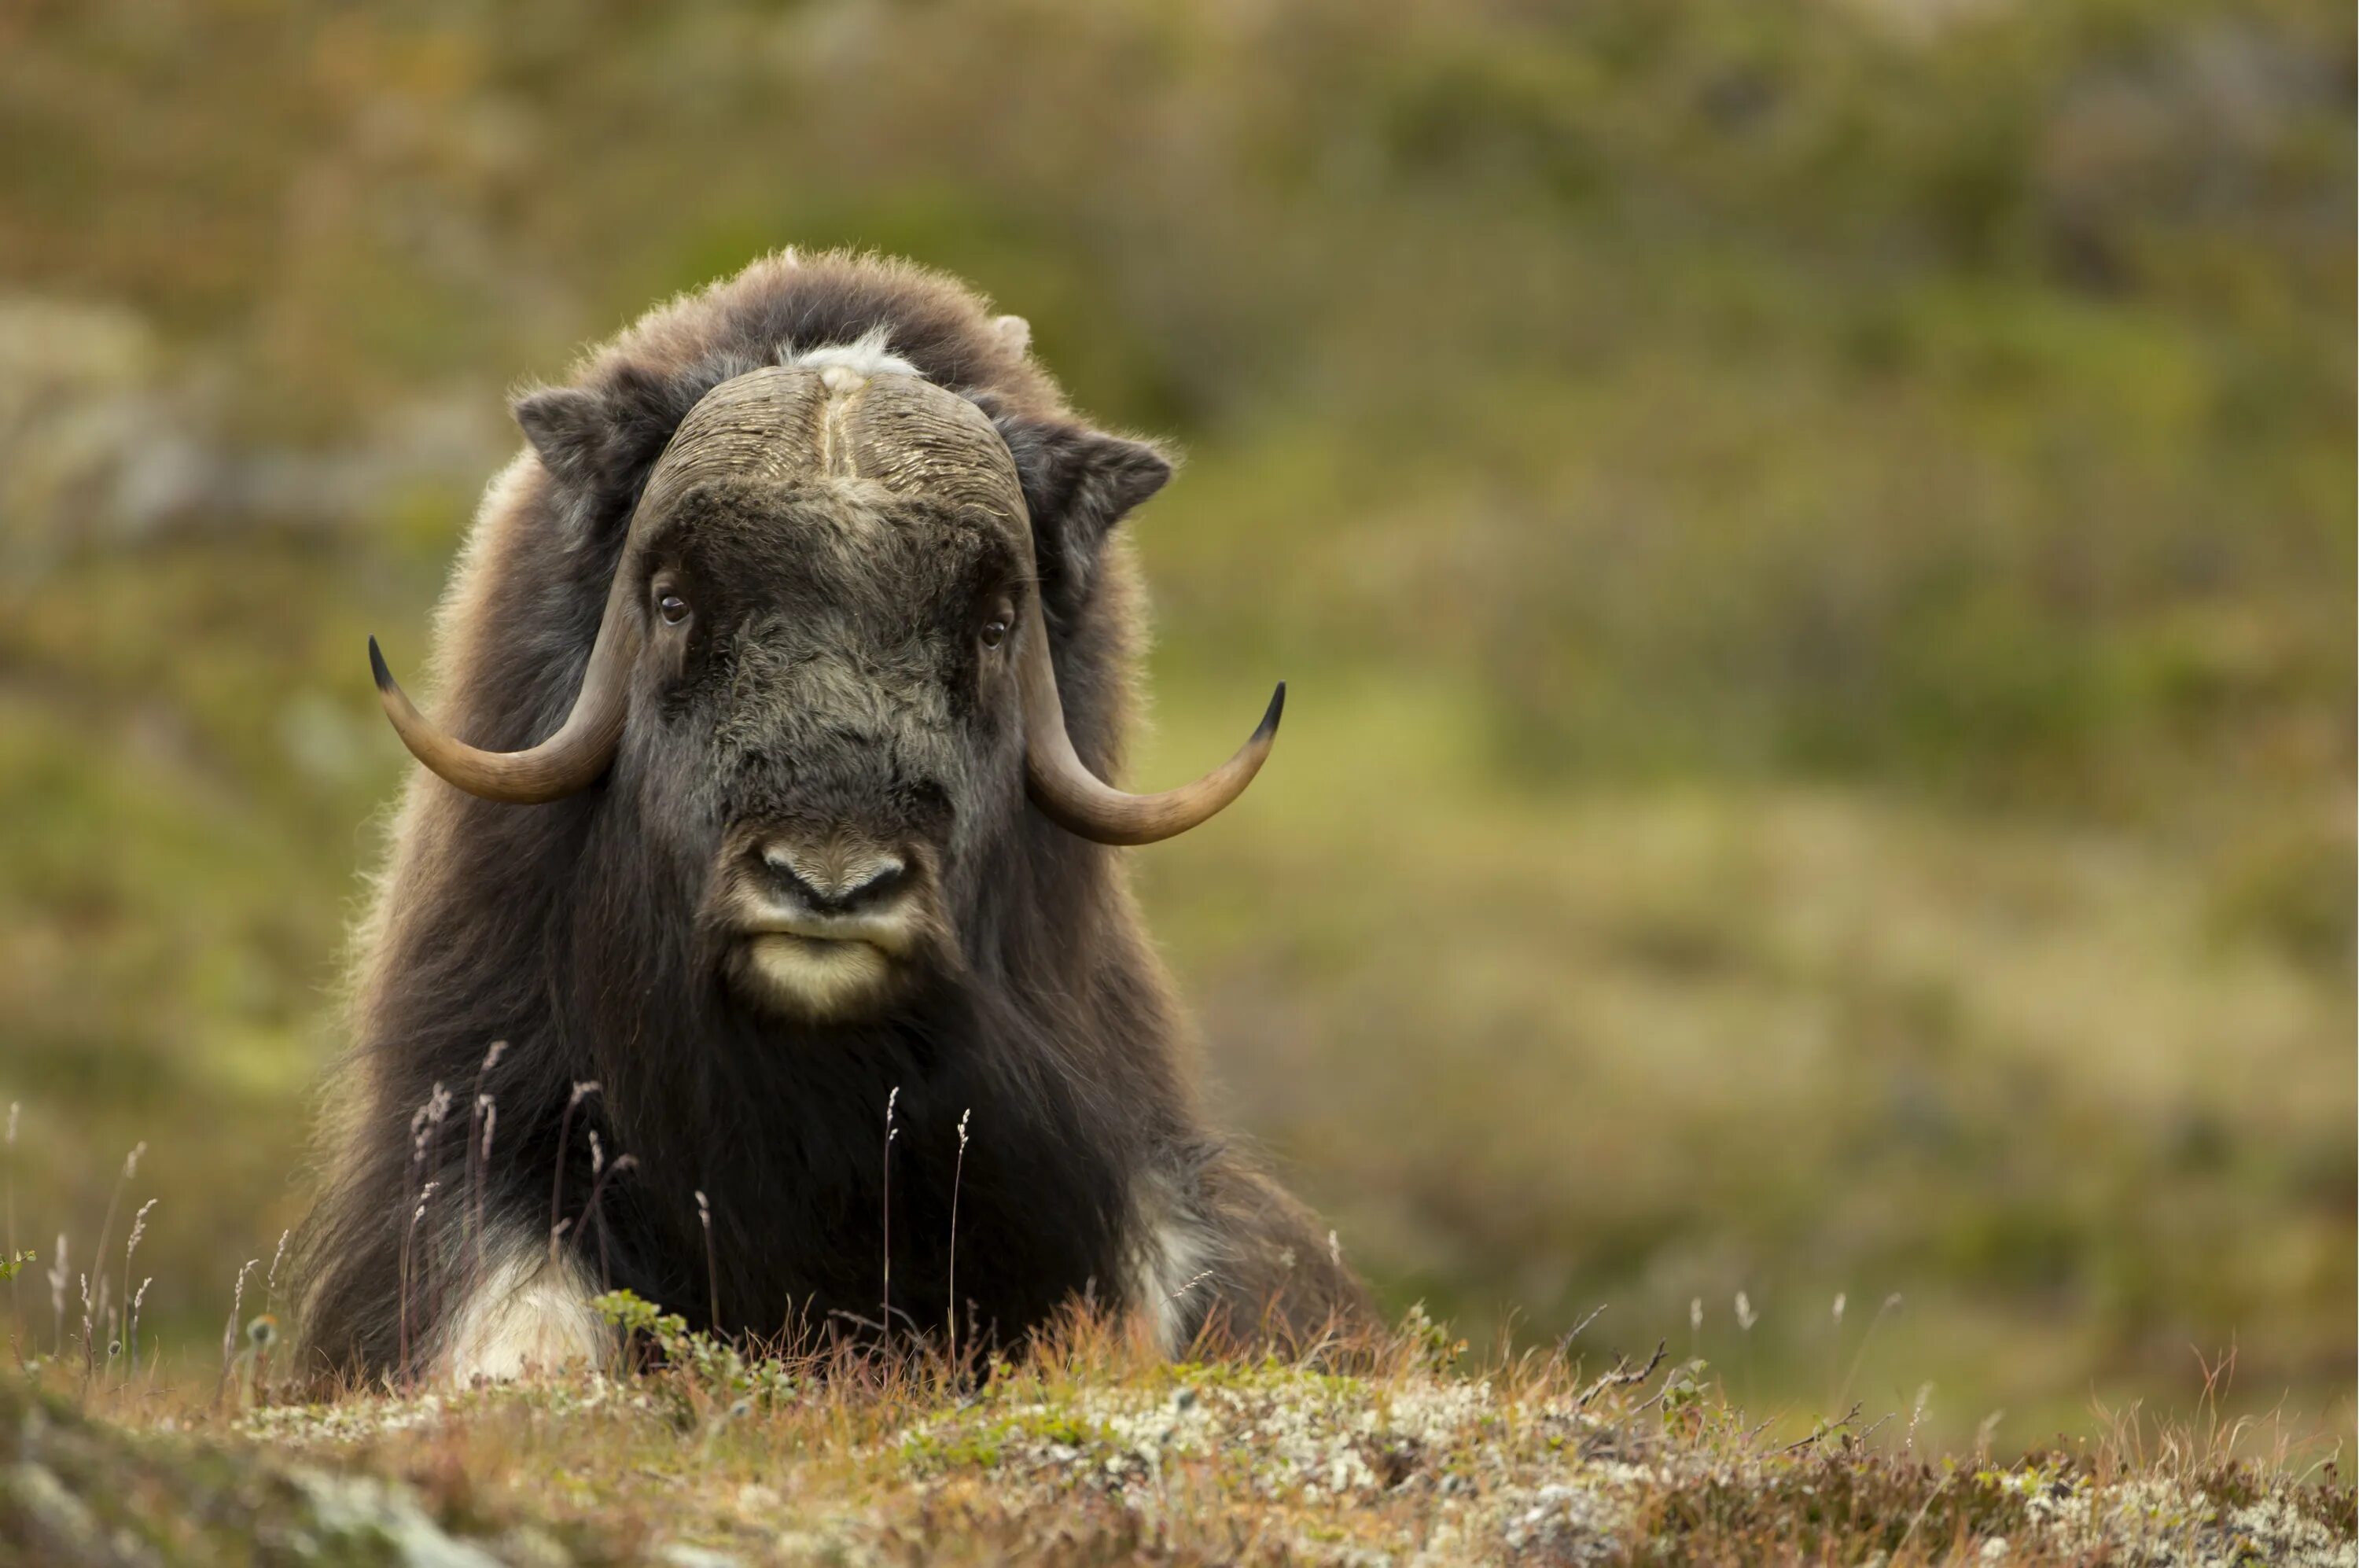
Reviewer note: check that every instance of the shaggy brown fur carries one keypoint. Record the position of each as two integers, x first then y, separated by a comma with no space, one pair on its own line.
572,930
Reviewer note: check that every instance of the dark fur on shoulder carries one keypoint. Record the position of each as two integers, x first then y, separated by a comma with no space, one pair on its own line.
564,931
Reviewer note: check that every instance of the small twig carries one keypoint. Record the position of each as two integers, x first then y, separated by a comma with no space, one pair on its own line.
1825,1428
711,1269
606,1172
131,1332
98,1258
229,1335
56,1279
481,1159
1664,1393
270,1280
950,1290
139,1229
425,1127
410,1261
1190,1285
1565,1344
1618,1378
1890,1303
15,1307
557,1179
891,1132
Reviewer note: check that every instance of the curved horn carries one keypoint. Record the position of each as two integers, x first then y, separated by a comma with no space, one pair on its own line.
1079,801
567,762
759,421
564,764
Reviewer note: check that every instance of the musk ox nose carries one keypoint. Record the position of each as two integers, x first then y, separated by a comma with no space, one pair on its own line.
834,881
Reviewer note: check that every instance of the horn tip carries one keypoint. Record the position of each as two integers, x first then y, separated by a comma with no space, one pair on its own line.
1268,725
377,667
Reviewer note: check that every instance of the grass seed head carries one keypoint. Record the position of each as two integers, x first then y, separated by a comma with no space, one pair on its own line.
139,1228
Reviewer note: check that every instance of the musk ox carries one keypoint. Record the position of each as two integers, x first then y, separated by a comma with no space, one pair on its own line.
790,657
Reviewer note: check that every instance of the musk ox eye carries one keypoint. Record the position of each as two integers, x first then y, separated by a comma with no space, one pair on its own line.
995,632
673,608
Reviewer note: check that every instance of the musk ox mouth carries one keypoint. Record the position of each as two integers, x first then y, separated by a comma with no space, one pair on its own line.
820,978
825,935
892,934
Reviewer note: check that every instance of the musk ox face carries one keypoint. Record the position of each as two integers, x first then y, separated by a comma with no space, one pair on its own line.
825,733
822,682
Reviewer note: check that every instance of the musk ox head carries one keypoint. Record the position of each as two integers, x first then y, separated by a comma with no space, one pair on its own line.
823,683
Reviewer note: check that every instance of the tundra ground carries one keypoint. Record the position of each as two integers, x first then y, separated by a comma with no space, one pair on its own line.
1085,1452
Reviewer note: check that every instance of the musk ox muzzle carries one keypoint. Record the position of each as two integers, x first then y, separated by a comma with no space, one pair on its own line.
825,928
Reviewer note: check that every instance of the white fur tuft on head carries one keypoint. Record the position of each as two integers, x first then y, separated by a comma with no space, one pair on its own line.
844,365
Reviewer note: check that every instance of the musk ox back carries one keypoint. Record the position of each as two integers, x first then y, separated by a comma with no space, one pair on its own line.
778,687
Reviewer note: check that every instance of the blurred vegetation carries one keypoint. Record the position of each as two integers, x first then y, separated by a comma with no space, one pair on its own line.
1813,543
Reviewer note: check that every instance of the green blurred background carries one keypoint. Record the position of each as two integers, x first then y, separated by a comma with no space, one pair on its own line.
1813,544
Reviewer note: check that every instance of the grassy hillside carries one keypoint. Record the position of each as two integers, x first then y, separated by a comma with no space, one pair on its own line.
1085,1454
1812,547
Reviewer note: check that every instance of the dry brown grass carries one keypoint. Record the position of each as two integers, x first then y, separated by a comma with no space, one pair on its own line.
1087,1451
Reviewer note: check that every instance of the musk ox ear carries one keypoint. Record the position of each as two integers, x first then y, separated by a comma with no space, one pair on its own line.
600,444
569,428
1078,484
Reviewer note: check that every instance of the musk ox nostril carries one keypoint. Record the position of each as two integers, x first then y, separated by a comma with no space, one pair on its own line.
835,883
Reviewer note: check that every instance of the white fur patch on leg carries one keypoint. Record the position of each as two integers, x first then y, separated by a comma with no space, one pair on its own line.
1170,1267
525,1315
